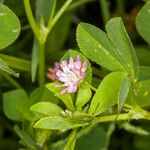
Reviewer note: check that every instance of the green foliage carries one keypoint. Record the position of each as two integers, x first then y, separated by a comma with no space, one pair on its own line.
144,73
123,46
4,67
123,93
91,138
57,123
9,26
44,10
83,96
142,93
58,35
143,22
17,63
26,138
42,94
114,88
66,98
16,105
71,141
46,109
95,44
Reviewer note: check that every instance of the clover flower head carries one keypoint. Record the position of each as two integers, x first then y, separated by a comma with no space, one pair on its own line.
70,74
51,74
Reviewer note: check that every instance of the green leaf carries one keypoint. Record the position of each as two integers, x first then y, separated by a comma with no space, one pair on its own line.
4,67
123,93
125,51
143,54
91,139
142,93
95,44
34,61
74,54
109,93
46,109
17,63
44,9
143,22
144,73
66,98
83,96
57,123
71,141
42,94
9,26
16,105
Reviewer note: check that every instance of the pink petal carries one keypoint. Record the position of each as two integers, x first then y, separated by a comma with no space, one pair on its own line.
82,74
78,62
62,79
64,91
71,63
72,89
63,64
59,73
56,67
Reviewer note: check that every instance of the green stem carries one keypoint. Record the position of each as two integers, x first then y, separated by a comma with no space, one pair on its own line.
118,117
120,8
31,19
25,27
41,63
77,4
52,22
139,110
53,11
104,10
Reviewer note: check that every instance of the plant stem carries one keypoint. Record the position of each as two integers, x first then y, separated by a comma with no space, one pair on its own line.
53,11
41,63
120,117
77,4
52,22
125,116
104,10
31,19
139,110
120,8
41,33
